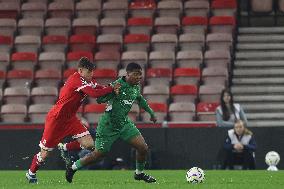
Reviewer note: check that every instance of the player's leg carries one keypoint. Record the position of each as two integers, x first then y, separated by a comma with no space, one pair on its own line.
132,135
104,139
141,147
53,133
83,139
37,161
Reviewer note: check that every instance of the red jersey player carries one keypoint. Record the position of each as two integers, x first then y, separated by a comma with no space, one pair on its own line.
61,120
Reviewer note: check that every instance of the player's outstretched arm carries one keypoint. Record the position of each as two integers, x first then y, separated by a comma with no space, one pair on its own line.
142,103
97,92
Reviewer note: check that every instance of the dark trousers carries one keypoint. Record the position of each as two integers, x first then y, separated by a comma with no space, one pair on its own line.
245,158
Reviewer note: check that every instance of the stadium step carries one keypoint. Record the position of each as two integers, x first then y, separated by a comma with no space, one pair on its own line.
264,116
250,89
261,46
258,75
259,63
265,107
258,98
260,38
262,72
261,30
259,81
266,123
260,55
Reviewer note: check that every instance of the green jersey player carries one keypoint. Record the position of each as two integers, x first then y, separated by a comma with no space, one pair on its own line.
115,123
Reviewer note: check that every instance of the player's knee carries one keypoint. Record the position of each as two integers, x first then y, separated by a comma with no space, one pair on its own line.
143,149
42,156
89,145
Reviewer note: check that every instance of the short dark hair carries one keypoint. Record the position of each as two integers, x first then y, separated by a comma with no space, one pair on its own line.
84,62
132,67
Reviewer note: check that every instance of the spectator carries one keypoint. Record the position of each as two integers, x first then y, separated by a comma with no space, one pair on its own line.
240,146
229,113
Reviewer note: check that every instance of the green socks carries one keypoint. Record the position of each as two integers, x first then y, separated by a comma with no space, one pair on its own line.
77,165
140,167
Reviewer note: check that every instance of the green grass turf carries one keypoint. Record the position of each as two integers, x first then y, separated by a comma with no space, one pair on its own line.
167,179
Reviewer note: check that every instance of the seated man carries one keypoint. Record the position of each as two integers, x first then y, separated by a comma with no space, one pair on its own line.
240,146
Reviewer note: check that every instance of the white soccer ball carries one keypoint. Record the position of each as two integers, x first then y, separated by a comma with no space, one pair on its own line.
272,158
195,175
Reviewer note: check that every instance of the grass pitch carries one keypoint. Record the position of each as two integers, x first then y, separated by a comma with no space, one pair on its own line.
167,179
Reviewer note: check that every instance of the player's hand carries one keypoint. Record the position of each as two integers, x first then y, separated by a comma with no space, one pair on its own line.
153,119
116,88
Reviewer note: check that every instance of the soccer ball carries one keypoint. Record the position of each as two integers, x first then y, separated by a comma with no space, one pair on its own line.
272,158
195,175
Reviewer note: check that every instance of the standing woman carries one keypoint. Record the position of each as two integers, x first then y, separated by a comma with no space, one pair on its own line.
229,113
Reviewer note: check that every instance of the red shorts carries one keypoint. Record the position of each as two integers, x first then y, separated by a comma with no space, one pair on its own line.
55,130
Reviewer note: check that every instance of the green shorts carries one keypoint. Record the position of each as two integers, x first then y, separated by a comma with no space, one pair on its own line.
107,133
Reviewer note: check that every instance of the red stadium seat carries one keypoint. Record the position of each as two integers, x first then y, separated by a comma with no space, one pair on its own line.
224,7
24,60
160,110
195,24
136,42
85,26
82,42
6,43
108,60
54,43
4,61
206,111
2,78
9,10
93,111
142,8
73,57
19,78
158,76
187,76
222,24
184,93
105,76
140,25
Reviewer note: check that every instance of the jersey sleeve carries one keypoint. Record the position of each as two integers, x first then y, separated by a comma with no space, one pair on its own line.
143,104
93,89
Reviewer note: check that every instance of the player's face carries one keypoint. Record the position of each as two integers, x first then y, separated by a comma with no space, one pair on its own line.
86,73
134,77
227,98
